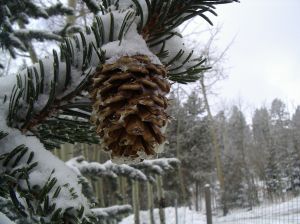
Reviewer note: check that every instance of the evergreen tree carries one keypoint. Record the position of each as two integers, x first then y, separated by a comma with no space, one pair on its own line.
196,147
125,62
220,122
262,140
190,130
174,146
238,174
295,154
278,161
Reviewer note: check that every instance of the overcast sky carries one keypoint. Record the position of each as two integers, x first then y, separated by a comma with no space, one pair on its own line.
264,60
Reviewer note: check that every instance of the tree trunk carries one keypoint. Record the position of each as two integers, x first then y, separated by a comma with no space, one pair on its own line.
100,194
150,202
197,196
161,200
124,190
208,204
216,146
176,211
182,187
65,152
71,19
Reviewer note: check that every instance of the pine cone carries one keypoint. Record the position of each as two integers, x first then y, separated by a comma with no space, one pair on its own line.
129,106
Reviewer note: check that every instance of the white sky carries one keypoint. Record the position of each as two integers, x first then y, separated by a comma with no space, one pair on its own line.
264,60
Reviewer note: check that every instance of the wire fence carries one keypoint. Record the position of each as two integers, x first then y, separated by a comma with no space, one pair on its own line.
282,211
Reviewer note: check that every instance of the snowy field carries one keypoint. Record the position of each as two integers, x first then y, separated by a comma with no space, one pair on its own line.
185,216
284,213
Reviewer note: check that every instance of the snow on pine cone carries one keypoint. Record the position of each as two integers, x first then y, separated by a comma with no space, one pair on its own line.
129,103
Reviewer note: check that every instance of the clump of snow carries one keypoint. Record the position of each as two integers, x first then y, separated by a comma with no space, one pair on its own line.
4,219
131,44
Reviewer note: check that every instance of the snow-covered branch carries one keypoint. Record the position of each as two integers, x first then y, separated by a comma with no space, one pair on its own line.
108,169
4,219
34,170
37,34
158,166
113,212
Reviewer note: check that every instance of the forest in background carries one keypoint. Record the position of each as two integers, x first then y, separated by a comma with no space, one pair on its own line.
260,160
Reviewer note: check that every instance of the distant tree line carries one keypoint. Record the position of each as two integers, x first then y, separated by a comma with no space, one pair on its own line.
260,160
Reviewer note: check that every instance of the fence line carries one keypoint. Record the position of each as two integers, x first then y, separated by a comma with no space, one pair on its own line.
268,212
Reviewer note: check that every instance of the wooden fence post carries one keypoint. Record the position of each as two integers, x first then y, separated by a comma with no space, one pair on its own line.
208,204
176,211
135,201
150,202
161,199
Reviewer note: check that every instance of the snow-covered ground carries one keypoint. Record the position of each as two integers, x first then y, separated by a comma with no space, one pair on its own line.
185,216
282,213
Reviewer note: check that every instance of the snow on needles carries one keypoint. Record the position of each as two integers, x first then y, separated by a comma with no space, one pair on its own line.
131,44
47,162
110,169
4,219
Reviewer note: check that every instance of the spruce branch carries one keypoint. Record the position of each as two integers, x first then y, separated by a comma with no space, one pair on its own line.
41,35
59,9
37,83
108,169
93,6
158,166
29,200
